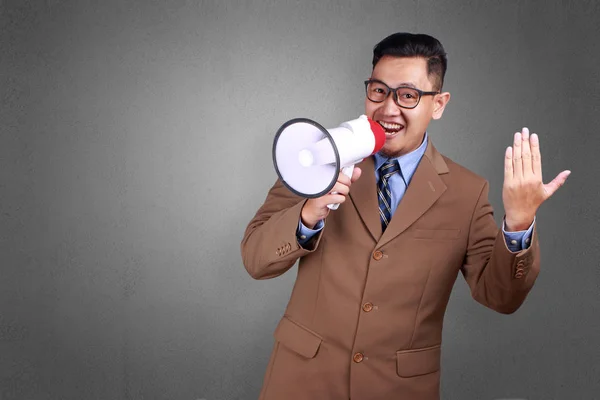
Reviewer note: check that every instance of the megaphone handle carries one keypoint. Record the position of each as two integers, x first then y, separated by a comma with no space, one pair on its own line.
348,172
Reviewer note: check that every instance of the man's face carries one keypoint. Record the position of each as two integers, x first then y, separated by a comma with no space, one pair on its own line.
404,128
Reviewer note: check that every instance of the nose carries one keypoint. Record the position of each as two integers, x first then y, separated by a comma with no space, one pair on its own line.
389,106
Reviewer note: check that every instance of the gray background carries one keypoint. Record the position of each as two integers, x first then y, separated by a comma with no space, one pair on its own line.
136,146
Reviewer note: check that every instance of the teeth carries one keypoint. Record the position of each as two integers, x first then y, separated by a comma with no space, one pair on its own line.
390,126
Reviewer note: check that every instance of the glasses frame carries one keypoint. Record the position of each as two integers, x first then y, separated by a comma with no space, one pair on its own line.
395,91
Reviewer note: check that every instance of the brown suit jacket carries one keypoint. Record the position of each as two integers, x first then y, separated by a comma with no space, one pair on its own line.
364,321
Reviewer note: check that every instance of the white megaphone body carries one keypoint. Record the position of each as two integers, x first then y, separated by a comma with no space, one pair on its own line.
308,157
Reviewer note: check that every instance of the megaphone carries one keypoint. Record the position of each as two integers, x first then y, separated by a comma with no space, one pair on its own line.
308,157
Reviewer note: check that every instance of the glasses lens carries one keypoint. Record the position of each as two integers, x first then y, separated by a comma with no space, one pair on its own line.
408,97
376,91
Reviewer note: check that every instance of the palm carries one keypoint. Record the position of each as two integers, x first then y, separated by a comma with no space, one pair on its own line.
524,190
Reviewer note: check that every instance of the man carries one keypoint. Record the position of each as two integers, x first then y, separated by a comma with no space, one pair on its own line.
364,320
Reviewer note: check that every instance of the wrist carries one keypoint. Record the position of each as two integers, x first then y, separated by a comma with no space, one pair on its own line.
517,224
311,215
307,220
308,224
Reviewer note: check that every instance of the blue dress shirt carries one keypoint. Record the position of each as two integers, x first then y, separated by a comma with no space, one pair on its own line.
515,241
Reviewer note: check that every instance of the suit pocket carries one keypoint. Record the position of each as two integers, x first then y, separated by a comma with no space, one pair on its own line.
435,233
297,338
415,362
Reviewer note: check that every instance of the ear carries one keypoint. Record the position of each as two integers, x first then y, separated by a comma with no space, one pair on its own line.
439,104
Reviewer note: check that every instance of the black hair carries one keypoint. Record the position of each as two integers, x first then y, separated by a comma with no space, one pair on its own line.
404,44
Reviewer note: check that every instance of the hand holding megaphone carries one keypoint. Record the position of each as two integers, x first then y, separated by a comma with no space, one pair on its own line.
308,158
348,172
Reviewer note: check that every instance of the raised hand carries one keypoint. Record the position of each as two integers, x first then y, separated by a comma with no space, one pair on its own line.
524,191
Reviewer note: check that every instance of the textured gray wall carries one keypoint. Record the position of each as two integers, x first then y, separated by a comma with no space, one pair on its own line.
120,215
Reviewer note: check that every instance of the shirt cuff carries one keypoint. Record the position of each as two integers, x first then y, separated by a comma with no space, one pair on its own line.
304,234
520,240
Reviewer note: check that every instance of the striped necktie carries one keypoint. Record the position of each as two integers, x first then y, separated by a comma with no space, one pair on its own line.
383,191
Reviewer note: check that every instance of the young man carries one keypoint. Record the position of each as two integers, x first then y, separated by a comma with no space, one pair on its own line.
364,320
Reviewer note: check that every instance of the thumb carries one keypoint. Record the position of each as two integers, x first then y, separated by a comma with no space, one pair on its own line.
556,183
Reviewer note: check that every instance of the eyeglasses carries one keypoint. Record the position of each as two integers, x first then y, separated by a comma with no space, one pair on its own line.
404,96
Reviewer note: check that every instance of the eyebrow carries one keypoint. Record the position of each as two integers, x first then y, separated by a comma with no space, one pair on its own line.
408,84
405,84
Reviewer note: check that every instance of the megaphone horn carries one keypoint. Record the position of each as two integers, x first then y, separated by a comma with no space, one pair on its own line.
308,158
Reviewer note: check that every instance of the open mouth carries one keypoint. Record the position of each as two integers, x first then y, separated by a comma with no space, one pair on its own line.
390,128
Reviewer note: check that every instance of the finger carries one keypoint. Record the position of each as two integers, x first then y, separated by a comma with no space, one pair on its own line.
356,174
333,198
344,179
508,164
517,161
556,183
320,204
341,188
536,155
526,154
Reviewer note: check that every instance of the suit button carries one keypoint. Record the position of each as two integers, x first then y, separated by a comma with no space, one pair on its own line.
377,255
519,275
367,307
358,357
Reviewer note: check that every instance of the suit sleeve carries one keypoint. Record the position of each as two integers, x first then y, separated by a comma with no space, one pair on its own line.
498,278
270,244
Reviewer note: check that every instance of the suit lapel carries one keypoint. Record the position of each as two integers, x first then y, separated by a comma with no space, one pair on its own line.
363,193
423,191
